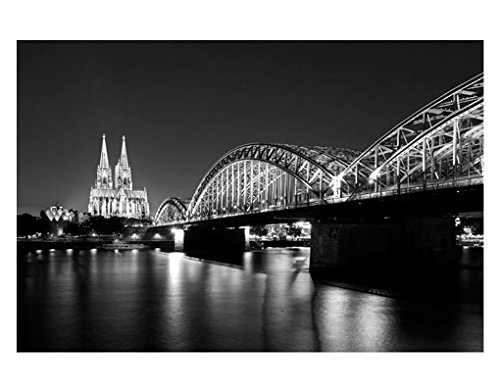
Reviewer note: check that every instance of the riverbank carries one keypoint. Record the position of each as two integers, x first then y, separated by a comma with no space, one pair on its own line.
25,246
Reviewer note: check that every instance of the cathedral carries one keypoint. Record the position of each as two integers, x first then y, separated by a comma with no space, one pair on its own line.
118,200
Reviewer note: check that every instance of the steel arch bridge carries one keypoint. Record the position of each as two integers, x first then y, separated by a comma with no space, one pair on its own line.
441,142
440,145
172,209
260,177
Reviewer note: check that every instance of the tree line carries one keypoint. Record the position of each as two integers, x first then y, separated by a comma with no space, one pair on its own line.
28,224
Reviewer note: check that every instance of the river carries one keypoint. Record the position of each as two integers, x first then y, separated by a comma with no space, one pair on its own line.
263,300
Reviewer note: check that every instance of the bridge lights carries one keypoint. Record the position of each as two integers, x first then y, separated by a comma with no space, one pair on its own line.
374,175
178,234
246,230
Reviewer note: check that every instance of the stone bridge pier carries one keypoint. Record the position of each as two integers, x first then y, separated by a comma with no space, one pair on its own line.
199,238
389,244
215,239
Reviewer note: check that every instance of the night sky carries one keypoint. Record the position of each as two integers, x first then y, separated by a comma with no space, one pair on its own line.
182,105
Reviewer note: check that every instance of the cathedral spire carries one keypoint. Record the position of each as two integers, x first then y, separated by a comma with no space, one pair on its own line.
123,155
123,172
103,162
121,200
104,179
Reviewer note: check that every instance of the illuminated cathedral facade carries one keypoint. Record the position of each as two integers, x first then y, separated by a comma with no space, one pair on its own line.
121,199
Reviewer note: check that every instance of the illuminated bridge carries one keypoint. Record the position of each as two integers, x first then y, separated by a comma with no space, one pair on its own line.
440,145
436,151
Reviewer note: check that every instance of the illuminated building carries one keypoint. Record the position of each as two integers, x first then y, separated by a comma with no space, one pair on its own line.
121,199
57,213
59,218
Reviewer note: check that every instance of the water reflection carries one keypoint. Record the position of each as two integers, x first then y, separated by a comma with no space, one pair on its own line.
255,301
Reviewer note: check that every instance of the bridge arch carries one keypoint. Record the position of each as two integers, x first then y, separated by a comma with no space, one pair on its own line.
441,141
258,177
441,144
172,209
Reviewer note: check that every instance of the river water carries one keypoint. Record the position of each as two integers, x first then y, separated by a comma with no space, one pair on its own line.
255,301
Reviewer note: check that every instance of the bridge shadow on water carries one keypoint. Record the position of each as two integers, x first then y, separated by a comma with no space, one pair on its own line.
299,259
459,285
413,309
228,259
278,281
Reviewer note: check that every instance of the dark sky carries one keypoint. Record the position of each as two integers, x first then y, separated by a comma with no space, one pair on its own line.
182,105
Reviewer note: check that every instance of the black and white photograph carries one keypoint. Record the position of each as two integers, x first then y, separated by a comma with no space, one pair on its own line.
250,196
233,196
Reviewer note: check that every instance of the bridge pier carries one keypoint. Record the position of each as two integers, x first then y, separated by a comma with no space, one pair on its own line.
197,238
161,237
429,241
391,244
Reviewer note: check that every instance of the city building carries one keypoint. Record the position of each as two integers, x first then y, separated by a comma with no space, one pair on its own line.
118,198
59,218
58,213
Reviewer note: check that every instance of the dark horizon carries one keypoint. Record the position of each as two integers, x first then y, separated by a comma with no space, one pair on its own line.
181,105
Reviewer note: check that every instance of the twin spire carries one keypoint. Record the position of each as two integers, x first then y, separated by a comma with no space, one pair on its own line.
123,173
104,162
123,155
113,193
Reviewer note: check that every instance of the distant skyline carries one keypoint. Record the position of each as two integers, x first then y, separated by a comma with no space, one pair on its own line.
181,105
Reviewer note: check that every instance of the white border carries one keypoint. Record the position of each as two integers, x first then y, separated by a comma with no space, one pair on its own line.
251,20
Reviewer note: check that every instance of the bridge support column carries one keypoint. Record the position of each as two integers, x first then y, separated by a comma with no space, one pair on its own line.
214,239
346,245
406,243
162,237
430,241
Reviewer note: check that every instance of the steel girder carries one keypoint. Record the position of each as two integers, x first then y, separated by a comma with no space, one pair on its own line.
447,121
257,177
451,151
171,209
442,144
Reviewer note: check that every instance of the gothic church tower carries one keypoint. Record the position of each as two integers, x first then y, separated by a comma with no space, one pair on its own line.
121,199
104,180
123,172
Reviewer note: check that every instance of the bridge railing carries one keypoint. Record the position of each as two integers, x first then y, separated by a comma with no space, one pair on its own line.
457,183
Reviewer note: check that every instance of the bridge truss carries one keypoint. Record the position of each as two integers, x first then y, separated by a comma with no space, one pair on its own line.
171,210
260,177
442,144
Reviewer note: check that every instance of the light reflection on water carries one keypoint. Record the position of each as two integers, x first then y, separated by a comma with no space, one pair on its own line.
255,301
